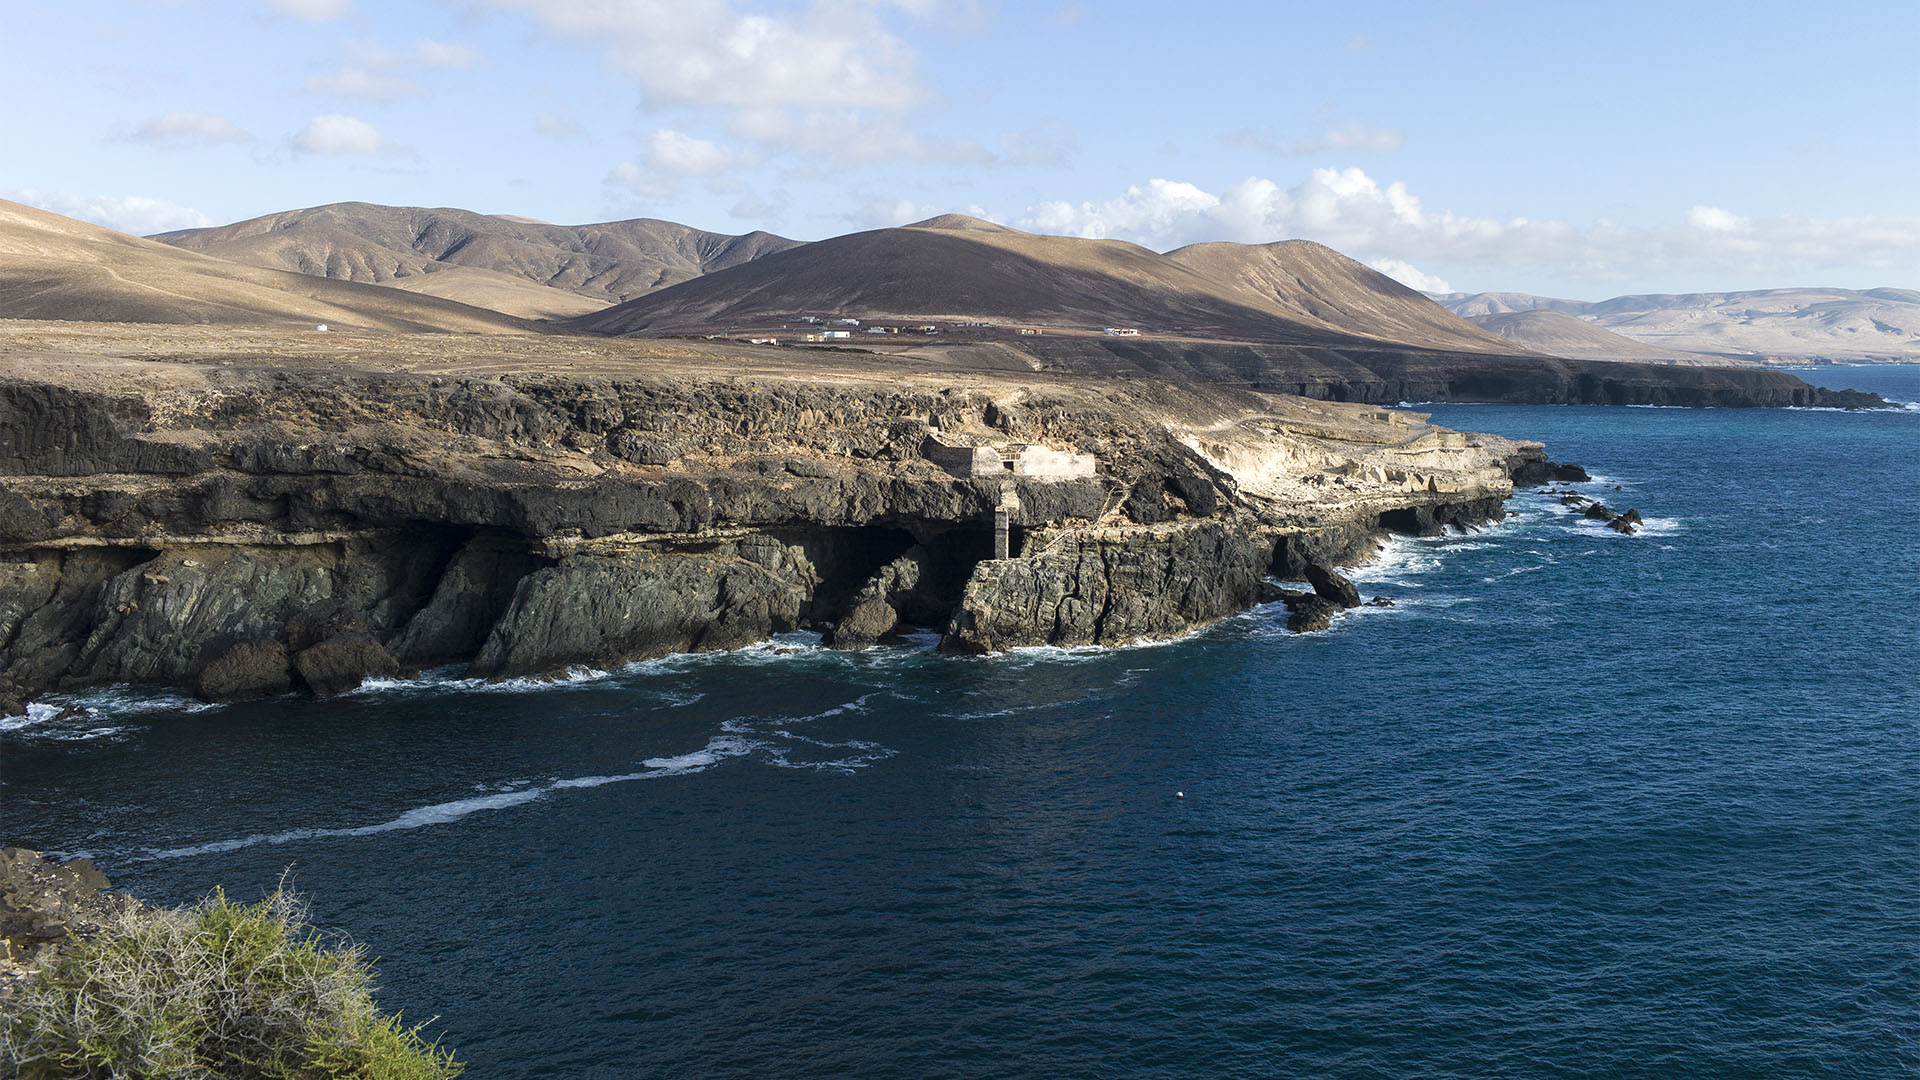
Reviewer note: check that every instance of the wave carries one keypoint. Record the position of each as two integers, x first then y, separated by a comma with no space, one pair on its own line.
717,750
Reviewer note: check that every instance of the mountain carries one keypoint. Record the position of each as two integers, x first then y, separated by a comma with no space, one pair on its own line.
53,267
512,264
1766,325
955,268
1558,334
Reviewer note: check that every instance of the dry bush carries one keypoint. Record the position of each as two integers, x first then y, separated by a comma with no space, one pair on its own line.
219,990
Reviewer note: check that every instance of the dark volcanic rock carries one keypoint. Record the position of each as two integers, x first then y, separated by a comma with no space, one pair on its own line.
1087,591
599,609
249,670
1311,613
1387,375
342,663
1621,525
869,622
1332,586
1569,473
1599,512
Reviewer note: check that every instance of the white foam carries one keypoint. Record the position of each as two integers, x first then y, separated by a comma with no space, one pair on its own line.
717,750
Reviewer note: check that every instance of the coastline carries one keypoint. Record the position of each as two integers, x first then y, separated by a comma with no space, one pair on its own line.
244,531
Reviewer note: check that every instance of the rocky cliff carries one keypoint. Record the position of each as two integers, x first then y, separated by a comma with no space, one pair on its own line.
1390,375
256,525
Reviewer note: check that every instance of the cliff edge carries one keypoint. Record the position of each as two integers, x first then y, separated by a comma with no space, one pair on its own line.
248,515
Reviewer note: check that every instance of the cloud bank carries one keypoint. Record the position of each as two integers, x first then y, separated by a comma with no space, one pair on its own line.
1348,210
135,214
334,133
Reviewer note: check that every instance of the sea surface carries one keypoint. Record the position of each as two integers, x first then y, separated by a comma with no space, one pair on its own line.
1578,805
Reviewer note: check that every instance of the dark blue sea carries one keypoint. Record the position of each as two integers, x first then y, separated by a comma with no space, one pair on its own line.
1578,805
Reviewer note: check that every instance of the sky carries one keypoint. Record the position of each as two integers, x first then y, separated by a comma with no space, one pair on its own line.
1576,150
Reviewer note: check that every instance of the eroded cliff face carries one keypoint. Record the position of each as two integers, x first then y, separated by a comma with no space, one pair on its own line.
246,529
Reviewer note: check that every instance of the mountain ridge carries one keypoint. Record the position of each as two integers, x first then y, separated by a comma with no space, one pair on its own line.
55,267
958,268
536,269
1789,325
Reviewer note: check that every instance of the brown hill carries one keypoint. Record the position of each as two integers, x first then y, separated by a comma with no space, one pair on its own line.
53,267
957,268
513,264
1556,334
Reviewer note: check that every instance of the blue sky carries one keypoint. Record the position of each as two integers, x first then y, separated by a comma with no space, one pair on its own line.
1568,149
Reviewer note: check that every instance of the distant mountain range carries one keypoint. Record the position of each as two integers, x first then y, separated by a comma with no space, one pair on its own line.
511,264
1291,317
955,268
1772,326
53,267
1556,334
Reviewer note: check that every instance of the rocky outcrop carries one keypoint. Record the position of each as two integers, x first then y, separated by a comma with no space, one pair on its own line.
1388,374
44,903
1626,523
252,530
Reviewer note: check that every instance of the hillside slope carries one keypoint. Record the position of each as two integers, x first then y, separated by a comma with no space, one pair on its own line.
514,264
54,267
956,268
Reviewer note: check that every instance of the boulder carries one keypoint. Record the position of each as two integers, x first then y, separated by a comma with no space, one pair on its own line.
342,663
1311,613
1380,601
870,622
245,672
1332,586
1599,512
1621,525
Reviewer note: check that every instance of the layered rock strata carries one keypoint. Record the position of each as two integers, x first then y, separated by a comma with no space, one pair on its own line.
246,529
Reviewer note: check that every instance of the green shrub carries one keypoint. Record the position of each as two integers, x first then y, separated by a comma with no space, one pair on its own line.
218,991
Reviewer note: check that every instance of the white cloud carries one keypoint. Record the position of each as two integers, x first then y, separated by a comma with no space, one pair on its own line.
757,208
851,137
312,10
826,54
441,54
681,154
333,133
135,214
1353,137
643,181
1714,219
886,213
1350,211
178,129
358,82
1410,275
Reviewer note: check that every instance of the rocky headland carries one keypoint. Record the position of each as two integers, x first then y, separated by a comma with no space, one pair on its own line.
247,514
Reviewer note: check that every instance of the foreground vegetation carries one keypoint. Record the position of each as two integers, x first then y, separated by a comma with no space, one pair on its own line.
218,991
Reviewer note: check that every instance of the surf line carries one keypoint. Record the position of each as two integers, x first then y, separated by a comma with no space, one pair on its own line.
717,750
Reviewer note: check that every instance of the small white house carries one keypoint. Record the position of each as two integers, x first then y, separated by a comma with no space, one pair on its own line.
833,335
1122,331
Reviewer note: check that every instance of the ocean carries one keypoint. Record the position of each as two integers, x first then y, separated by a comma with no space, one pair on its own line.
1577,805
